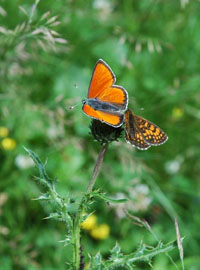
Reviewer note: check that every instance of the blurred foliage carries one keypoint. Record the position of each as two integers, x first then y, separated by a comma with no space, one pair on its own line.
46,64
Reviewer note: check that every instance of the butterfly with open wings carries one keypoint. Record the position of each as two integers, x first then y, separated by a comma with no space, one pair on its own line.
108,103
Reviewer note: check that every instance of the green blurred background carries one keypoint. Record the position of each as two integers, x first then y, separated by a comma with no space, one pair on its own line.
46,64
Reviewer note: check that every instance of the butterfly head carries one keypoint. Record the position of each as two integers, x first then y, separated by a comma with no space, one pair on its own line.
84,101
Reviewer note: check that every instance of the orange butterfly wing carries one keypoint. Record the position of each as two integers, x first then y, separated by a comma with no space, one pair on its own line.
142,133
111,119
102,78
116,95
102,86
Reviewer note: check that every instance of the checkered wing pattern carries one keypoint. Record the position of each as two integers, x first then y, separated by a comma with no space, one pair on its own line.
151,133
135,138
142,133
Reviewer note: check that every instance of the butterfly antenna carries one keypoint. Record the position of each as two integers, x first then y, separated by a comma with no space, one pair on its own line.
72,107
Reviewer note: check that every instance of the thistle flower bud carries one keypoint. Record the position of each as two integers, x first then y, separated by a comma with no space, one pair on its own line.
104,133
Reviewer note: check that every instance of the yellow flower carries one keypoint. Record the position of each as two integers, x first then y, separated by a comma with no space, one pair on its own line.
87,266
3,132
89,223
100,232
8,144
177,113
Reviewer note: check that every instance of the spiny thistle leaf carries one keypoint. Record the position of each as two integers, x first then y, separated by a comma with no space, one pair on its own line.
39,165
96,262
60,204
44,196
146,253
116,251
106,198
143,254
66,241
56,215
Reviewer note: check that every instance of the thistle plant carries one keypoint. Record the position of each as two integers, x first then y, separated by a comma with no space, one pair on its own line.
36,32
63,213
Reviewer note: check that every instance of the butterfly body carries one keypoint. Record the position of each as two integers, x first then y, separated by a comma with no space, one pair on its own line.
103,106
142,133
106,101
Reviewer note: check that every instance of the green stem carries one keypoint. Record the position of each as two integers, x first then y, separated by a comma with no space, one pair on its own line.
77,245
97,168
82,206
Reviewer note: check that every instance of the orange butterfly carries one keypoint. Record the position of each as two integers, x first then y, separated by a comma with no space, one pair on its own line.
106,101
142,133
